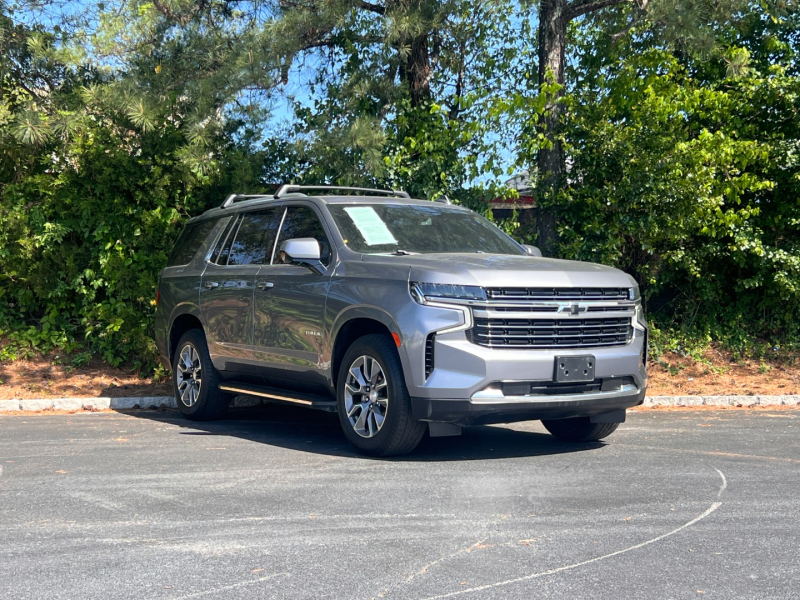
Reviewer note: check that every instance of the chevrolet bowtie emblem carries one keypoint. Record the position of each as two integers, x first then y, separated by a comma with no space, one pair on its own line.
573,309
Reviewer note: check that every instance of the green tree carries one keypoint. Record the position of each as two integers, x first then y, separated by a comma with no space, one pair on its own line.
91,199
685,173
689,24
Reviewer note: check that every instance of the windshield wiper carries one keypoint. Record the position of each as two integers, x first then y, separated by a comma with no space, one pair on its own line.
399,252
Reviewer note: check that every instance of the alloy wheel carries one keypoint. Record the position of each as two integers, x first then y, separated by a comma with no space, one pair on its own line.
189,375
366,396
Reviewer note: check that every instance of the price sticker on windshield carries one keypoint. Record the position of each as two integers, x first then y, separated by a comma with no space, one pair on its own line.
370,225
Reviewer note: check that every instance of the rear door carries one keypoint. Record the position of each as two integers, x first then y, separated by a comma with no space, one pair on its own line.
226,291
289,307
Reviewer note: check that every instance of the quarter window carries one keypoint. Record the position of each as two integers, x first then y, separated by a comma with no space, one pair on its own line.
223,250
189,242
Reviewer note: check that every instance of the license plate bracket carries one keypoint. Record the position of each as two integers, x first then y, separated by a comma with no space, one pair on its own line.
574,369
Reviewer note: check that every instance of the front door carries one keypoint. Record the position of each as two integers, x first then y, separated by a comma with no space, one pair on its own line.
289,307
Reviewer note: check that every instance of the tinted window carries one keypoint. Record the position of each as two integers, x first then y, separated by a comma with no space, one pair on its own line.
221,253
255,238
222,239
302,222
383,228
189,242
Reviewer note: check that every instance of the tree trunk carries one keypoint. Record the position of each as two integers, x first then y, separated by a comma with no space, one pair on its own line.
417,71
550,161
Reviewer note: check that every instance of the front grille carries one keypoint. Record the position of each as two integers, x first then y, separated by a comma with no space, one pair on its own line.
515,309
558,294
551,333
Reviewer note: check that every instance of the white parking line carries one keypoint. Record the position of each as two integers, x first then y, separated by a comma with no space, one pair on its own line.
697,519
229,587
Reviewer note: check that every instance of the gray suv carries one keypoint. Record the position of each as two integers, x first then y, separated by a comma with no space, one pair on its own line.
400,315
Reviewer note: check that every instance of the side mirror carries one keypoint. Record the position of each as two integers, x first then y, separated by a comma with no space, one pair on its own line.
304,251
532,250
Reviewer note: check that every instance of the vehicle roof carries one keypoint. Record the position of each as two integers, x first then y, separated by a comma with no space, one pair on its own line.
267,200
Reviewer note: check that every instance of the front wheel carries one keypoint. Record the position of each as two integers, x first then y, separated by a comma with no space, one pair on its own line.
372,399
195,380
579,429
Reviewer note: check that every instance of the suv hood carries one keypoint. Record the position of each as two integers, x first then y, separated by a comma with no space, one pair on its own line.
501,270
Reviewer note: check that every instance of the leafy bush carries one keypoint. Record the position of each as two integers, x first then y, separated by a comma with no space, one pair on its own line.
90,204
685,173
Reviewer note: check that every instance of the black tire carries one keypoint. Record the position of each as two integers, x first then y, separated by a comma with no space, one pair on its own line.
208,402
399,433
579,429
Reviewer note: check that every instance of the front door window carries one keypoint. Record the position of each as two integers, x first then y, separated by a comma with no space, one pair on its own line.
302,222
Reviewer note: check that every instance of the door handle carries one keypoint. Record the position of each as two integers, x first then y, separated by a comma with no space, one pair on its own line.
210,285
264,285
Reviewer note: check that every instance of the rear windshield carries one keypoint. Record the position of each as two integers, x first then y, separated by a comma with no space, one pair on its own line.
189,242
387,228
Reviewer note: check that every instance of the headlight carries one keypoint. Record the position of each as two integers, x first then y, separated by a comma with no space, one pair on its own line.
423,292
633,293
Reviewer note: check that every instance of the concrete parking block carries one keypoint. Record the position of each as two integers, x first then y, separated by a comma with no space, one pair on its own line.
9,405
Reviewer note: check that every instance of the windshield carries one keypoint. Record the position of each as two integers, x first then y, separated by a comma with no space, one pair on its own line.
413,228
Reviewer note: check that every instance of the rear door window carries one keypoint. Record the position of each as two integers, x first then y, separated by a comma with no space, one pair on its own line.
255,238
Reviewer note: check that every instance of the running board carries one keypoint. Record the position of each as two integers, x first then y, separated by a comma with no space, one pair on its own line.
277,395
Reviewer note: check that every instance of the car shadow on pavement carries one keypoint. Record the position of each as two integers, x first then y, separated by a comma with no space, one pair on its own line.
319,432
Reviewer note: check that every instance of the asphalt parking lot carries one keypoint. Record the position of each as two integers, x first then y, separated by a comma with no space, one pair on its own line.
273,503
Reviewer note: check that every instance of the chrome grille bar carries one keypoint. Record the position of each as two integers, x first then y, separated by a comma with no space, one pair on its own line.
540,294
524,318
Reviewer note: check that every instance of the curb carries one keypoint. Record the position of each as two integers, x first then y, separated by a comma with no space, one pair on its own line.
155,402
722,400
90,404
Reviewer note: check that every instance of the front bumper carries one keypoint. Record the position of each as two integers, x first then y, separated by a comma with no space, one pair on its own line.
479,411
464,388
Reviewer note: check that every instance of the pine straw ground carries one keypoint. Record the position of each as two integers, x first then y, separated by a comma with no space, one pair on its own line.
718,373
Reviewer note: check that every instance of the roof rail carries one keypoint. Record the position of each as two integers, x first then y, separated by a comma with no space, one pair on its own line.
288,189
235,197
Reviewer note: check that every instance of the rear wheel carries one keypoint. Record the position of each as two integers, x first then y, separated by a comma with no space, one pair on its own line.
196,381
579,429
372,399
